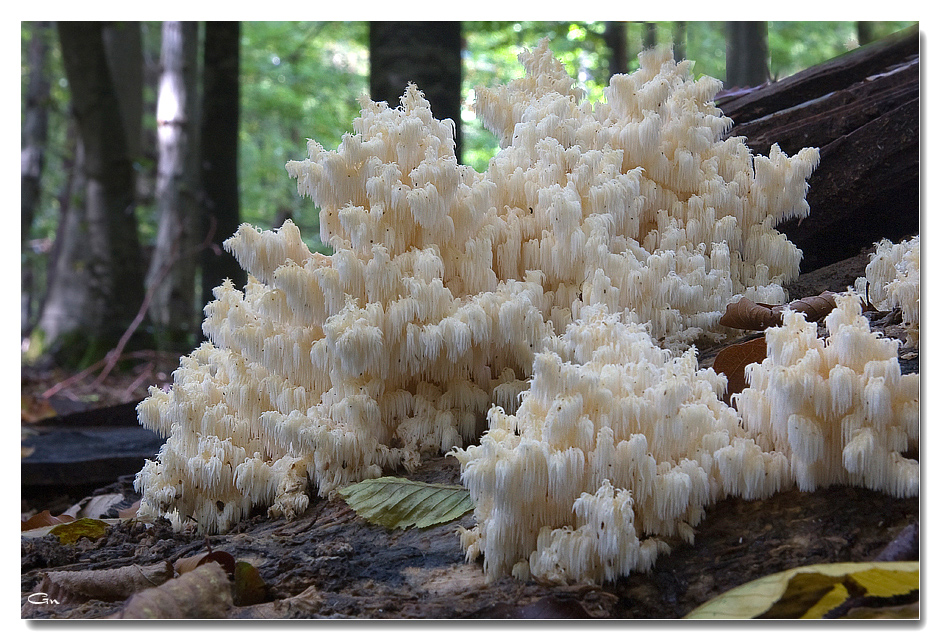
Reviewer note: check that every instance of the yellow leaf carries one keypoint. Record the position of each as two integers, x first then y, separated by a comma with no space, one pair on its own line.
812,591
82,528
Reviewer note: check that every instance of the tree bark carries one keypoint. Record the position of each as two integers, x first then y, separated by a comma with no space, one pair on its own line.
679,40
99,285
35,124
615,35
32,156
219,204
124,47
746,54
425,53
649,35
172,272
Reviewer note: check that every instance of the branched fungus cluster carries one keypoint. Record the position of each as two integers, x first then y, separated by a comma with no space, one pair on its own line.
546,304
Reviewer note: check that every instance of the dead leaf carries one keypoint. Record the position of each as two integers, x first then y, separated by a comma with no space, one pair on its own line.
749,315
732,361
814,591
204,592
306,604
130,512
814,307
34,409
249,587
756,316
44,519
94,506
71,532
224,558
109,585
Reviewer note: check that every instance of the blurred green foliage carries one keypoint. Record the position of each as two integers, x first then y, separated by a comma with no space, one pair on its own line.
301,80
298,81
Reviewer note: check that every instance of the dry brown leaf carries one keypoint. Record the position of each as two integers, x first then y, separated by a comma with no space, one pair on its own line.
733,359
130,512
44,519
814,307
94,506
34,409
109,585
749,315
757,316
204,592
249,587
224,558
306,604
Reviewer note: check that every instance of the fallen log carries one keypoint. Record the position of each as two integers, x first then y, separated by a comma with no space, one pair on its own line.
862,111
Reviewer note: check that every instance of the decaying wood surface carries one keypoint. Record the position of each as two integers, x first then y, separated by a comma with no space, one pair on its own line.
330,563
862,111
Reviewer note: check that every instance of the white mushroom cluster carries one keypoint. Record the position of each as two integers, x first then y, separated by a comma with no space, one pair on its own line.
892,280
615,447
838,407
447,288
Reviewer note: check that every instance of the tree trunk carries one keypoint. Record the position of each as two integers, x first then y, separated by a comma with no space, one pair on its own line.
100,285
746,54
172,273
124,46
35,124
649,35
32,156
615,35
679,40
425,53
865,31
219,205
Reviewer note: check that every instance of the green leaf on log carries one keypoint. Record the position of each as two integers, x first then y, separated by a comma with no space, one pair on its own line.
820,591
398,503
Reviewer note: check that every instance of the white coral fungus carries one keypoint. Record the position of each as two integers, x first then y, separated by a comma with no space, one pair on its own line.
838,407
892,279
447,288
616,445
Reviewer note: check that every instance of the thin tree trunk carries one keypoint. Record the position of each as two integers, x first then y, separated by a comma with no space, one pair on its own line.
866,32
425,53
173,267
615,35
746,54
219,205
649,35
35,124
99,285
679,40
32,156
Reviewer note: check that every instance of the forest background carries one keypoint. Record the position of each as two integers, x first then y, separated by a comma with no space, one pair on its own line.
145,144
